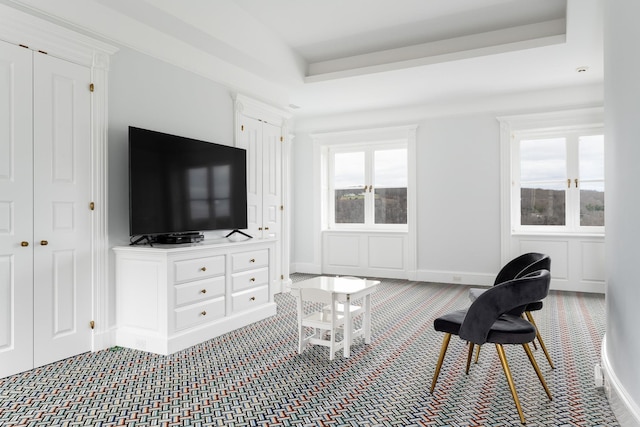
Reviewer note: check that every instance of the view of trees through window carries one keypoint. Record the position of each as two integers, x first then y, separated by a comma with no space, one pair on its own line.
547,207
390,206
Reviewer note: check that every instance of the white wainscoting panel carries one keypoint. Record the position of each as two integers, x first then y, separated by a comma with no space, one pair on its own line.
386,252
593,267
342,250
365,254
577,261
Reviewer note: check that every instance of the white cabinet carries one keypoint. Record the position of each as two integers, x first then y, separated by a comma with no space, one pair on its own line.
261,131
170,297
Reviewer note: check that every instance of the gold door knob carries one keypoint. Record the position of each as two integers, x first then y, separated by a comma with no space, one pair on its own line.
204,313
203,269
24,244
43,243
204,291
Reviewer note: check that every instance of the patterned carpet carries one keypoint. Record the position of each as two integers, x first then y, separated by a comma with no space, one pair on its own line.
254,376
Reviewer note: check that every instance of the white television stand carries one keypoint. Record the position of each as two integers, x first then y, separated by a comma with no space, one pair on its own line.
170,297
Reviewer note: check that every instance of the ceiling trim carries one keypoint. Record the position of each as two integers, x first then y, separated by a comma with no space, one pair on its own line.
488,43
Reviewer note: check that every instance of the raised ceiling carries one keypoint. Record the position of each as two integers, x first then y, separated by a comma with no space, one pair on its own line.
341,56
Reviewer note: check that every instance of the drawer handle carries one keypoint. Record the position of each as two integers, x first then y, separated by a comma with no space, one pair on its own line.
253,279
252,260
204,313
44,242
204,291
252,299
24,244
203,268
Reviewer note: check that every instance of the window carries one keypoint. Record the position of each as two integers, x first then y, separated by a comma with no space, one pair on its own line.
558,181
368,185
366,179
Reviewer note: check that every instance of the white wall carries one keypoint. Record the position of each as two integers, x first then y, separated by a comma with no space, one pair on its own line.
458,196
151,94
622,128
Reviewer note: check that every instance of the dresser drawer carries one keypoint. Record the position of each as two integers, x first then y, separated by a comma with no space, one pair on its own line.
250,279
198,268
195,314
201,290
249,260
250,298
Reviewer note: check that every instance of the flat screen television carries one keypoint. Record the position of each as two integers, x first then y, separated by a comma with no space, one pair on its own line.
180,185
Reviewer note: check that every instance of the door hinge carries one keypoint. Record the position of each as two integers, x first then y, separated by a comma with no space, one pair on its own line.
242,128
281,207
92,206
92,324
282,277
43,52
91,87
24,46
282,139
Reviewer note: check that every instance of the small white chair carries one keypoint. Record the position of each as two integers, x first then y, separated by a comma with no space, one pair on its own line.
312,313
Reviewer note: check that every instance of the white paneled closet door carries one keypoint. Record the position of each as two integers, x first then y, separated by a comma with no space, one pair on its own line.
250,138
16,207
271,180
62,217
45,220
263,142
272,189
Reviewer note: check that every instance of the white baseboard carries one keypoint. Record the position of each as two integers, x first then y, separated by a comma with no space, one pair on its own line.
456,277
103,339
306,267
624,408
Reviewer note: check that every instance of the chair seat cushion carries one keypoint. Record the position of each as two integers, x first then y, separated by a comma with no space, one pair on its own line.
507,329
450,322
510,329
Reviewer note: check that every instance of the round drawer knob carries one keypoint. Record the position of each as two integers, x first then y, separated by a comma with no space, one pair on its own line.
204,313
253,279
43,243
203,268
252,260
24,244
204,291
252,299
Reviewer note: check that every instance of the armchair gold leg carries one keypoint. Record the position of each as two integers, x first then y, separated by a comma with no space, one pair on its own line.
537,369
478,354
469,357
512,386
443,351
544,348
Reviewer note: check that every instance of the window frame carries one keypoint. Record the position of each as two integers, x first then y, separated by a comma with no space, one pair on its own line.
321,143
589,121
571,137
369,150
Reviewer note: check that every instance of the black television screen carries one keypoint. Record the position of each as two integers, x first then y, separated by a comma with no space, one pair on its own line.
183,185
